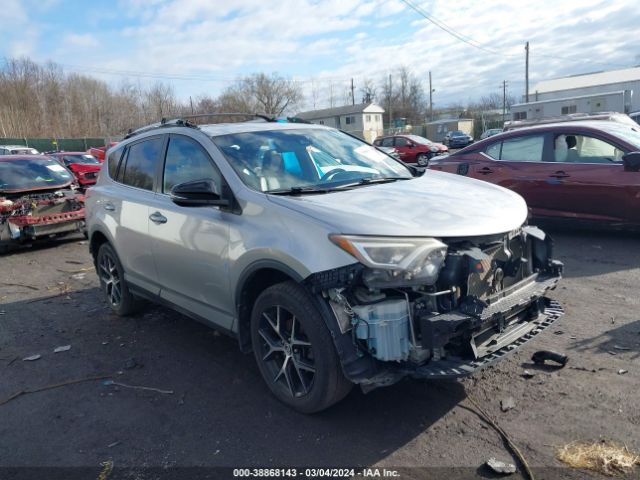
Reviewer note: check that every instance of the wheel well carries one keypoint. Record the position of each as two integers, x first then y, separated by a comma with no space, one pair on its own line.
252,287
97,239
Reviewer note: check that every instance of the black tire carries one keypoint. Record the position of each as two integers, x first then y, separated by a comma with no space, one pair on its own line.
113,284
423,159
301,369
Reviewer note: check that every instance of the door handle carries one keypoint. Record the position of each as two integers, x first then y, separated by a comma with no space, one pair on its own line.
109,206
559,174
157,218
485,171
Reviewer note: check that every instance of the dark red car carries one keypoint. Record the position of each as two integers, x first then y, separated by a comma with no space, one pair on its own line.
85,167
412,148
37,200
585,171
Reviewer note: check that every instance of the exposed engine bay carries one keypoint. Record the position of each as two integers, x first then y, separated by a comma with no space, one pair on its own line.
28,216
485,298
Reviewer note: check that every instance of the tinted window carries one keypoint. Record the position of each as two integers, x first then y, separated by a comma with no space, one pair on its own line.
401,142
113,160
522,149
387,142
140,167
84,158
186,161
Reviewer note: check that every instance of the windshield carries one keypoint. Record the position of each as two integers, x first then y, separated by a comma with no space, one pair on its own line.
32,174
457,133
80,158
305,159
628,134
419,139
24,151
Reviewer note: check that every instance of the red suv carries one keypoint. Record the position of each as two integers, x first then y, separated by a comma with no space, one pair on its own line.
586,170
412,148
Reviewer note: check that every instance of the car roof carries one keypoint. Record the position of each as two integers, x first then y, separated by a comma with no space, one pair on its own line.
15,146
68,153
216,129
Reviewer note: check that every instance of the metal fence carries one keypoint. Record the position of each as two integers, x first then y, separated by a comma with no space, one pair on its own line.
47,144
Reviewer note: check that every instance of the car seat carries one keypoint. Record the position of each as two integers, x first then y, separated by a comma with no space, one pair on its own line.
572,152
272,170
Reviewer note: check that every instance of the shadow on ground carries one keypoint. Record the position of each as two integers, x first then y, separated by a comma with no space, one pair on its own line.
220,412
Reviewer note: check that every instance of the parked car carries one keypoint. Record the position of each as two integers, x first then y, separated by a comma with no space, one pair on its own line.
99,152
17,150
572,117
332,278
457,139
584,171
37,200
412,148
85,167
490,133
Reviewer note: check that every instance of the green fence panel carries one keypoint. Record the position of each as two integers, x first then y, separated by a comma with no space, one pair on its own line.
47,144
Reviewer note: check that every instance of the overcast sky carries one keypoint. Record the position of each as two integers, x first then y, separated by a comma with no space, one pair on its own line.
199,46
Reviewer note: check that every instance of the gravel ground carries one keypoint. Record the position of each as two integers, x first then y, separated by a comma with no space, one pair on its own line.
220,414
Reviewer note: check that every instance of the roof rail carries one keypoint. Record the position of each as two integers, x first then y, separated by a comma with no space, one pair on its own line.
571,117
183,122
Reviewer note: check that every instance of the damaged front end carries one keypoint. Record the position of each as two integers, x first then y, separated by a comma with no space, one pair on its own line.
431,308
29,216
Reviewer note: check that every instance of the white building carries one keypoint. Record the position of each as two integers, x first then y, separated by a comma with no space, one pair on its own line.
363,120
615,90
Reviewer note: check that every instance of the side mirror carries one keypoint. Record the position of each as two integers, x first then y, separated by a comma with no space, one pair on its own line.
198,193
631,161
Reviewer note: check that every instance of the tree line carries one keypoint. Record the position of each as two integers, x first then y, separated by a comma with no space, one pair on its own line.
42,100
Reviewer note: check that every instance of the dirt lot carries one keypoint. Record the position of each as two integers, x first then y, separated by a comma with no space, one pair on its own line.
220,414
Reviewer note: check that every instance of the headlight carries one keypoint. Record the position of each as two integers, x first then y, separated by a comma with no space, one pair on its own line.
395,261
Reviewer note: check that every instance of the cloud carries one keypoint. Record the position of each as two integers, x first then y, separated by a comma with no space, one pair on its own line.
78,40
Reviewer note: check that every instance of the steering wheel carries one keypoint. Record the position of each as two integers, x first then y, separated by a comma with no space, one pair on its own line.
329,175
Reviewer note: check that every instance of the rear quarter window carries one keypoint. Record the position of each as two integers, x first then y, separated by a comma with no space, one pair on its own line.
113,161
141,165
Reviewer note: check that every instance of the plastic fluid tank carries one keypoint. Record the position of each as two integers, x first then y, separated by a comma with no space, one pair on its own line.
385,328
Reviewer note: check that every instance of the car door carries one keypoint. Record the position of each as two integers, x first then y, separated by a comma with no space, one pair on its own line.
190,244
126,208
517,163
590,180
405,149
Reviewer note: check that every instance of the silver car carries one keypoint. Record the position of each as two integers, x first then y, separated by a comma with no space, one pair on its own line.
333,262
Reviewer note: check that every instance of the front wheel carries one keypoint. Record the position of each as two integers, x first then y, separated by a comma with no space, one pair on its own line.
294,350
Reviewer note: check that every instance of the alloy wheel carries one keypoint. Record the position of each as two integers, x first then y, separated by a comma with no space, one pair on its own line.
110,277
286,352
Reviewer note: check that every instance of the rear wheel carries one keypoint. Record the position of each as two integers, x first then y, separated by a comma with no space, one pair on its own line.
422,159
113,284
294,350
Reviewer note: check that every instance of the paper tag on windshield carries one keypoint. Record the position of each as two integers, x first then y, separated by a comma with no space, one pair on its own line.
371,153
56,168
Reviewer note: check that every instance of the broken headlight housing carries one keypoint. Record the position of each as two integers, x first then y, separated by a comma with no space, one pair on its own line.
395,261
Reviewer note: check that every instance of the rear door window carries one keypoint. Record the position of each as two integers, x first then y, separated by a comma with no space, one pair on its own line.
387,142
142,160
521,149
570,148
401,142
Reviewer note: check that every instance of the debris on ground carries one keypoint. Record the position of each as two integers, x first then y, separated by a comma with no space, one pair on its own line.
618,347
32,358
111,445
501,467
622,371
527,374
30,287
50,387
132,363
79,276
541,356
138,387
585,369
107,467
604,457
507,404
63,348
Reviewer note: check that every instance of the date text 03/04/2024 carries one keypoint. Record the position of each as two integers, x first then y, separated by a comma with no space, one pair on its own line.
315,473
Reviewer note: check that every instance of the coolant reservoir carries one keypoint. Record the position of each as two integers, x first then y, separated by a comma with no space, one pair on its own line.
385,328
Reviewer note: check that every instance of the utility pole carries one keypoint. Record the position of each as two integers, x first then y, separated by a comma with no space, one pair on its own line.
390,101
526,74
353,95
191,102
430,99
504,99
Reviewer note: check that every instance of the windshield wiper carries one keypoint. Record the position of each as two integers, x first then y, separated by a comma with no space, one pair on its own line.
298,191
371,181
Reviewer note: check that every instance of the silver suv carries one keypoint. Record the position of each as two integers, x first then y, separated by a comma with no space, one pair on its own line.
333,262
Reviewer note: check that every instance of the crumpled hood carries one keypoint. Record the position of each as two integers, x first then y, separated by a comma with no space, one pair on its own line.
435,205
